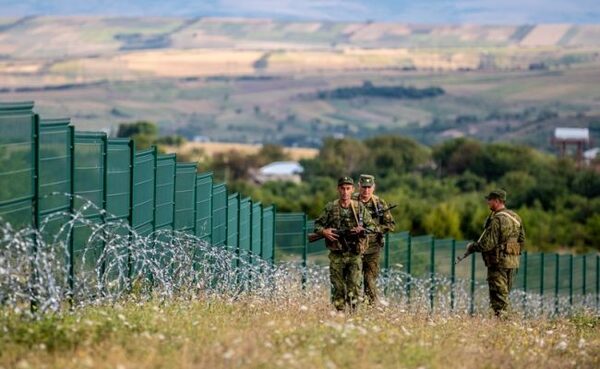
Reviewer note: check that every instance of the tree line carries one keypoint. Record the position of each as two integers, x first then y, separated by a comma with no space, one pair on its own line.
438,189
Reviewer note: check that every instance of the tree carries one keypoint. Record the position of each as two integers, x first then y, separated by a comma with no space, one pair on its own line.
336,158
457,156
143,133
269,153
443,221
396,154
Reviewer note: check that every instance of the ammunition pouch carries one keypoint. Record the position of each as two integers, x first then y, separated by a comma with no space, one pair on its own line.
492,257
511,247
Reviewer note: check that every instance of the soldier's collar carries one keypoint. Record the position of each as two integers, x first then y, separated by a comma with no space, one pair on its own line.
365,201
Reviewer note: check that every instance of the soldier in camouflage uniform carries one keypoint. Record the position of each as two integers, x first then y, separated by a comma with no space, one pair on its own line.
344,223
500,244
385,222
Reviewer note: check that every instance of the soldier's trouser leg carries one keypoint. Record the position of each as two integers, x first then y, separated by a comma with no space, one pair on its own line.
353,279
370,264
336,276
500,283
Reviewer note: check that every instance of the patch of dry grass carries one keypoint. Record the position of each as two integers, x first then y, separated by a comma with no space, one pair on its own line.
291,333
212,148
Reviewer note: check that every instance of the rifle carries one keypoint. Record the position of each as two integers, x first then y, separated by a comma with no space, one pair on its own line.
379,212
464,256
313,237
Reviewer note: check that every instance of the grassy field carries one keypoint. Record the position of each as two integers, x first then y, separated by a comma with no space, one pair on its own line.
290,333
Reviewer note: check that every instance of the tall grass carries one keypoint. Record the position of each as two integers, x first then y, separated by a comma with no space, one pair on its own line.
213,332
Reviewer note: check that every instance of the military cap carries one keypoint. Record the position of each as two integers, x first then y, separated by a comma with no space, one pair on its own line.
345,180
366,180
497,194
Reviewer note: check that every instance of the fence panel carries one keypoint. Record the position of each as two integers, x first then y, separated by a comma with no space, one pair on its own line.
245,222
119,163
591,276
88,188
420,255
185,197
268,234
256,235
219,215
17,163
396,252
204,203
233,217
119,179
290,241
54,177
165,191
144,167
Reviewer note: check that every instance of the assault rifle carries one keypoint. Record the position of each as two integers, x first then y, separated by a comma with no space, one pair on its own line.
378,213
313,237
464,256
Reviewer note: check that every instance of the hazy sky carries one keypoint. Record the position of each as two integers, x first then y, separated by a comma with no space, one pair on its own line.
411,11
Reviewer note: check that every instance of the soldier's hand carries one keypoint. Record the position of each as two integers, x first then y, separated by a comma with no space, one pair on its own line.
330,234
470,248
357,230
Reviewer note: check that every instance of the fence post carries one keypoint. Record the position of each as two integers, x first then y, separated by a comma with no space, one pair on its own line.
524,279
432,271
274,232
105,198
386,262
35,200
597,281
525,271
472,302
452,274
304,250
570,279
542,270
130,218
556,281
386,255
583,287
408,267
71,265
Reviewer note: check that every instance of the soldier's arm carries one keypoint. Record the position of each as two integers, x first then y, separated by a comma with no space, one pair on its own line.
388,224
489,238
521,238
322,221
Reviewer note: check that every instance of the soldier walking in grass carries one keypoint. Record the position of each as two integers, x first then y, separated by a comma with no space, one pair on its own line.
345,223
500,244
383,218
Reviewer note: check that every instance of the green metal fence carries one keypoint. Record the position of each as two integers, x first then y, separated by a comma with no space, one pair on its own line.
18,172
46,168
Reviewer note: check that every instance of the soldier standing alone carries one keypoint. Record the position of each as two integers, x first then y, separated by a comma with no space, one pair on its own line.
500,244
385,222
344,223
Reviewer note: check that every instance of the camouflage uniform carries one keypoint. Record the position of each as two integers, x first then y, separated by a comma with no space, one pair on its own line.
371,257
500,245
345,254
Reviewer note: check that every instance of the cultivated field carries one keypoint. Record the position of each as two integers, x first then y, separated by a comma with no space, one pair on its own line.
212,148
257,80
290,333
